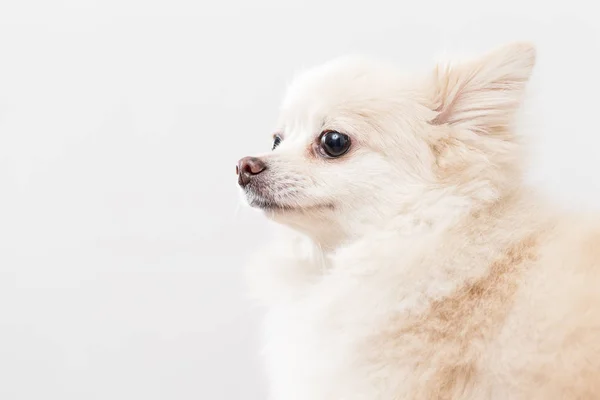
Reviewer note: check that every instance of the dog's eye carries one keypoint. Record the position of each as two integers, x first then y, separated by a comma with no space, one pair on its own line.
276,141
334,144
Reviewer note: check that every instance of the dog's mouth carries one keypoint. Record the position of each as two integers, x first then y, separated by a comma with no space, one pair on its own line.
263,201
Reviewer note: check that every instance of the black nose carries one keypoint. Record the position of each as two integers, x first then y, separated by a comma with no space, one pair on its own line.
247,168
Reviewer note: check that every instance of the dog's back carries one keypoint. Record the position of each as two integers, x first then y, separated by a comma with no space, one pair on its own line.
549,345
518,317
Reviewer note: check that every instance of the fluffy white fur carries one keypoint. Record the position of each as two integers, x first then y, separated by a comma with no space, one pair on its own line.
418,265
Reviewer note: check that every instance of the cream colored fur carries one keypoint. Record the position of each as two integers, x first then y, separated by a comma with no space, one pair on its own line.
418,265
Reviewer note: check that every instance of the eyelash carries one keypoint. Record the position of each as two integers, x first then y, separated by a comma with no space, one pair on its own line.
276,141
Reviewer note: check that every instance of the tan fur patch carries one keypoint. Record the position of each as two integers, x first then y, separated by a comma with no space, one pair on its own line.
450,166
472,314
454,329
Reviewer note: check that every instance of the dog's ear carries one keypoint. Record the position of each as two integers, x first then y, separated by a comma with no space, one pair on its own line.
482,95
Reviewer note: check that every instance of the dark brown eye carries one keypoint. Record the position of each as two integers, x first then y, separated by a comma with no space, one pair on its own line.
276,141
334,144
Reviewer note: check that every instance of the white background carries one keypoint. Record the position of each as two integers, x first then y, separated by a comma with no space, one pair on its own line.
121,236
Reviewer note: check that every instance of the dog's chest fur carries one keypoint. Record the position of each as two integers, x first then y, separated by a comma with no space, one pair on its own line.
406,321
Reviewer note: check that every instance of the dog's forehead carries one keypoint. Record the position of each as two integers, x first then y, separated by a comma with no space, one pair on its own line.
340,86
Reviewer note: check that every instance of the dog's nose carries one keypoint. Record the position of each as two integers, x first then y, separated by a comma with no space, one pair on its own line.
248,167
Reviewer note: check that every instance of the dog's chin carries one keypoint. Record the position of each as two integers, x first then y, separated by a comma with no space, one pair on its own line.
269,206
272,207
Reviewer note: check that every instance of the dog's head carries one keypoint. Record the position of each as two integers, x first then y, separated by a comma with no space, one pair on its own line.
358,144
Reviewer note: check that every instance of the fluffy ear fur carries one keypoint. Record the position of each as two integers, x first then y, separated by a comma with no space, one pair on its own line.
482,95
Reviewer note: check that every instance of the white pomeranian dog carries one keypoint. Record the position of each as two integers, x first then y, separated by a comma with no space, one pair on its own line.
419,265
